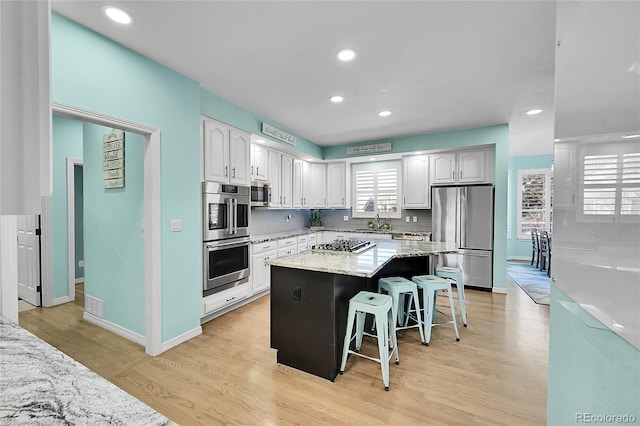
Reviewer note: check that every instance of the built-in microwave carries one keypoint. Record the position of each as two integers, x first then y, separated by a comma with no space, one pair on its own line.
225,211
260,194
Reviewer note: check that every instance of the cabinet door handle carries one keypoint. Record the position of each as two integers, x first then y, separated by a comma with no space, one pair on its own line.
226,171
343,201
234,172
460,174
251,170
231,298
453,174
257,170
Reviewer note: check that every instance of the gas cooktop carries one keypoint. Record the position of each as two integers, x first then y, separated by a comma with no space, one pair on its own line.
343,246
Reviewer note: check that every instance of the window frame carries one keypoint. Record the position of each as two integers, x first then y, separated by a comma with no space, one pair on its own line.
547,211
375,167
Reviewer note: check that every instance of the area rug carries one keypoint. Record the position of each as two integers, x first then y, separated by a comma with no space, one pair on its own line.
533,281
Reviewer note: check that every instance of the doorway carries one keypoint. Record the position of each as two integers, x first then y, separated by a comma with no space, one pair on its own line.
75,227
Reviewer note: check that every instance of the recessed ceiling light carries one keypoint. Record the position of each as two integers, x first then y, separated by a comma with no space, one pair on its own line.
346,55
337,99
118,15
631,136
534,112
384,113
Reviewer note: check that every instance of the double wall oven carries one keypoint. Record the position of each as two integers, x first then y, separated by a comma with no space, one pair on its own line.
225,236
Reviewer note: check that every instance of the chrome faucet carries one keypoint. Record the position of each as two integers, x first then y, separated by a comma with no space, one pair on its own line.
378,224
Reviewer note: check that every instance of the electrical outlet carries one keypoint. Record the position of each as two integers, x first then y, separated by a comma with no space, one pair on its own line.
345,218
176,225
297,294
407,219
415,219
80,263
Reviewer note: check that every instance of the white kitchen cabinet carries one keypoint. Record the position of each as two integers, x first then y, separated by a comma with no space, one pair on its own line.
259,162
225,298
226,153
260,270
286,181
466,166
315,187
275,178
416,191
297,196
307,182
336,185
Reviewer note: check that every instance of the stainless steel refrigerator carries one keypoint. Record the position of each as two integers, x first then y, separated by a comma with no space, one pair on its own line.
464,214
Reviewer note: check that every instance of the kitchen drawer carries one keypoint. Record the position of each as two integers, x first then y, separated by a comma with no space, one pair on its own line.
312,239
287,242
287,251
303,247
302,239
225,298
266,246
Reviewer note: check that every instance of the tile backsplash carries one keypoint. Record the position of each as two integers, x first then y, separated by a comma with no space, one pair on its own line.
265,221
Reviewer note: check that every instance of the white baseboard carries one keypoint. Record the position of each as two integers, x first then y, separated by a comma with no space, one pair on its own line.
499,290
180,339
230,308
79,280
520,258
114,328
60,300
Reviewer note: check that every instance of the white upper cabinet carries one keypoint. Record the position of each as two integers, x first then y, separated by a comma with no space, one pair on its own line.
297,196
259,162
287,181
468,166
307,184
336,185
275,175
317,193
415,182
226,153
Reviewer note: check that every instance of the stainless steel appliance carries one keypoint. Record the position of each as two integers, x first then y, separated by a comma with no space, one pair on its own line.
344,246
464,215
226,264
260,194
225,236
225,211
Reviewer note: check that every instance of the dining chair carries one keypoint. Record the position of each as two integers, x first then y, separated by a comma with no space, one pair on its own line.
535,245
545,252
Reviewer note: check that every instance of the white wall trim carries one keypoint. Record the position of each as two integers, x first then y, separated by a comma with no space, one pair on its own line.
9,267
519,258
46,274
71,223
181,339
114,328
60,300
152,206
499,290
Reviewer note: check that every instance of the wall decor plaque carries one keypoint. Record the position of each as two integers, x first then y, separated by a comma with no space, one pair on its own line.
113,159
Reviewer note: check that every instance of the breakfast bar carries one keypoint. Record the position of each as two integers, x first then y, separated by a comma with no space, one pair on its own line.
310,295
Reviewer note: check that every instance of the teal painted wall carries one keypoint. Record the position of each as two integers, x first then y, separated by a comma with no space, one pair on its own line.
66,142
492,135
92,72
79,219
220,109
591,368
114,248
520,248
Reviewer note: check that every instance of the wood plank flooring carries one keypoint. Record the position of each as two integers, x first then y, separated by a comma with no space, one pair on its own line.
496,374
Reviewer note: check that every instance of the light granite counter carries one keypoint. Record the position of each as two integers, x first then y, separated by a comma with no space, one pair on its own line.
280,235
41,385
365,264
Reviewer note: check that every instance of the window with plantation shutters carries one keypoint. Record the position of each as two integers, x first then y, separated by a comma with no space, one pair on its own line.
534,201
376,189
611,182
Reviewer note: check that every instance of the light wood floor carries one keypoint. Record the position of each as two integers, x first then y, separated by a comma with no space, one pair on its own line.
496,374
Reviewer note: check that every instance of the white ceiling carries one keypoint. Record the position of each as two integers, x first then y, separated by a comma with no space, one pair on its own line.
436,65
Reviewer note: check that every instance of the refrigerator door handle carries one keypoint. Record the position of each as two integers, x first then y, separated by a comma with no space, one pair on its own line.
462,214
485,253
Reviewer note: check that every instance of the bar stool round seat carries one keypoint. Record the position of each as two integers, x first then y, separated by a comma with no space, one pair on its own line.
398,288
381,307
455,274
431,285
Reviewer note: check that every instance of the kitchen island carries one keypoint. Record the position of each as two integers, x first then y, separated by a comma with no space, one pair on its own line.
310,295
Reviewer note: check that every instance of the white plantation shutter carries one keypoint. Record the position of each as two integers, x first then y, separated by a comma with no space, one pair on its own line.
534,201
611,181
376,189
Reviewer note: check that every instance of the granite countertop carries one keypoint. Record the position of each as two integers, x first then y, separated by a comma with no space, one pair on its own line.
365,264
281,235
41,385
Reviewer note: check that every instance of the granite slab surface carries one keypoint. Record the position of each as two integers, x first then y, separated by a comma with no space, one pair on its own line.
255,239
365,264
39,385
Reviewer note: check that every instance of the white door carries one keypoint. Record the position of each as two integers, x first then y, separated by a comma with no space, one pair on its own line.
275,175
239,157
443,167
471,165
29,259
297,195
287,181
319,185
216,155
415,186
336,185
260,163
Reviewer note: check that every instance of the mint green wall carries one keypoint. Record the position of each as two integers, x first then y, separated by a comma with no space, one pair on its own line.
66,142
92,72
79,219
520,248
114,249
492,135
591,368
220,109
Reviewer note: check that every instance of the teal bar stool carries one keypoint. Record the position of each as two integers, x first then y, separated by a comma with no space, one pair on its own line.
455,275
431,285
381,307
398,288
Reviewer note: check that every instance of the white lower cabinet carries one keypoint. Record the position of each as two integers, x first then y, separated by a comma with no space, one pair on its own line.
224,298
260,270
